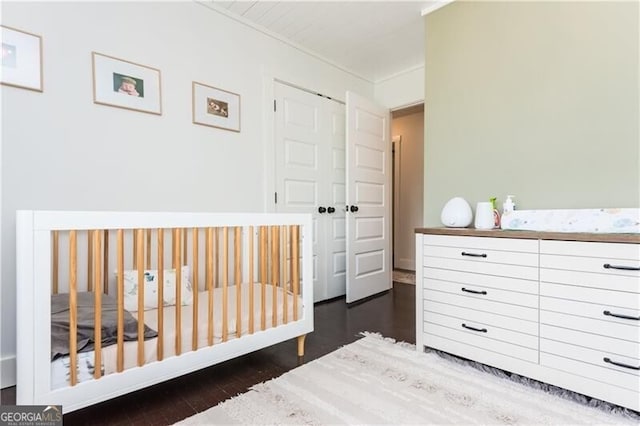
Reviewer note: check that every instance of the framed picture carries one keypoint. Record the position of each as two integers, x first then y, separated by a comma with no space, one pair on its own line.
21,59
216,107
125,84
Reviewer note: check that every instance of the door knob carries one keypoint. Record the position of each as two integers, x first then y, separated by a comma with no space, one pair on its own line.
353,209
331,209
321,209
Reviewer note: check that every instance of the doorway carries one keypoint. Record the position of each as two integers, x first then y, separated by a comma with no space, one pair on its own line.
407,129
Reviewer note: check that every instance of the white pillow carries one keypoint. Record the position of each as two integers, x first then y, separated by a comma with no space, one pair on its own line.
151,288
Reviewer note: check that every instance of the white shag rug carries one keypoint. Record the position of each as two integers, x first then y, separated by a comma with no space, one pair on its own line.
377,381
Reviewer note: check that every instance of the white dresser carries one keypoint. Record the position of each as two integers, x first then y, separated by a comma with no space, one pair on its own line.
563,312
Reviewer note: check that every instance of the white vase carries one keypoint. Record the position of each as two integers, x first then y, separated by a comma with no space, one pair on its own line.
456,213
484,215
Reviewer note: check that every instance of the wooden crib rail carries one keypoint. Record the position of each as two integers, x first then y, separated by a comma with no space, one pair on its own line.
269,250
73,307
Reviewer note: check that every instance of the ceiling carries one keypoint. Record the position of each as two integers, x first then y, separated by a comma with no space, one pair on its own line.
373,40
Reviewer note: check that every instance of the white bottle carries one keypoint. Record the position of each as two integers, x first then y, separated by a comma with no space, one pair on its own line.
508,206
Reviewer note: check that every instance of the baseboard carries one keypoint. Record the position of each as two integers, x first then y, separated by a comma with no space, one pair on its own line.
408,264
7,372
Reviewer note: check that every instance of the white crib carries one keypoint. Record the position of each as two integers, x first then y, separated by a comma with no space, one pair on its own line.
200,288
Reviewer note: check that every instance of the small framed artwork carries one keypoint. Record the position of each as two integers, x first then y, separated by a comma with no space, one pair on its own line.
21,59
215,107
125,84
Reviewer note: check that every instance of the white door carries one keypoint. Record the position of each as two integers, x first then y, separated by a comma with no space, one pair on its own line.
309,135
368,185
336,196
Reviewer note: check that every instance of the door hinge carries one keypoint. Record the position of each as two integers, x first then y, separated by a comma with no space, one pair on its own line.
274,105
275,197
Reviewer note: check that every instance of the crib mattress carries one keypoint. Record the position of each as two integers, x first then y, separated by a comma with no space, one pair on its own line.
60,367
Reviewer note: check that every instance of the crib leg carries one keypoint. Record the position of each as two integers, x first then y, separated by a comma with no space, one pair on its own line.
301,344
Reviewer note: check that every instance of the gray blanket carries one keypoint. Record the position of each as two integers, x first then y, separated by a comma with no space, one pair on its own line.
85,337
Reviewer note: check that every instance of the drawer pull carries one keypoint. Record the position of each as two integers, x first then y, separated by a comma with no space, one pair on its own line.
619,364
473,291
481,330
621,267
611,314
464,253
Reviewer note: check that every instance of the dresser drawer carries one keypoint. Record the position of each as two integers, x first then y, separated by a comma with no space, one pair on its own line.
506,309
488,243
497,269
480,341
491,281
472,326
592,310
483,255
483,293
607,266
588,249
603,373
515,324
592,326
590,279
604,343
591,295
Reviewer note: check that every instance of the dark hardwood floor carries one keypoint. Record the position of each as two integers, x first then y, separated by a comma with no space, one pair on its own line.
392,314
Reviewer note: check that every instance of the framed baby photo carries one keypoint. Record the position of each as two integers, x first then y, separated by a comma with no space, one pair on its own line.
215,107
125,84
21,59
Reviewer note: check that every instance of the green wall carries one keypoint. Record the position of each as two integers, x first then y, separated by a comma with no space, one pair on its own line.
535,99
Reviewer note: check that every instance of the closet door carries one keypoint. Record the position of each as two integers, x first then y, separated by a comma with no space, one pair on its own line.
300,172
368,185
310,178
336,196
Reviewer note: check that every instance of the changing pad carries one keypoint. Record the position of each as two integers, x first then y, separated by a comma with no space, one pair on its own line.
625,220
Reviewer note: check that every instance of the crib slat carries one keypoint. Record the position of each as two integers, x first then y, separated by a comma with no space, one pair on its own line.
194,341
135,249
209,283
295,267
263,276
139,238
178,270
89,260
160,331
225,283
120,296
285,296
73,308
173,248
216,259
97,304
237,260
251,292
105,262
148,249
54,261
185,253
275,273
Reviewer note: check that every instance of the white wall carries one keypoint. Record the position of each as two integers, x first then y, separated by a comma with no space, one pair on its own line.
61,151
403,89
537,99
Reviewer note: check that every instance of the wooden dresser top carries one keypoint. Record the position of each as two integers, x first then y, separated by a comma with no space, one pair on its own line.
535,235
